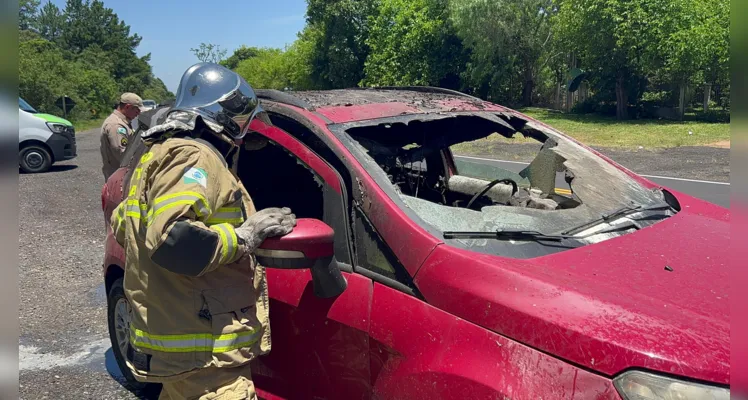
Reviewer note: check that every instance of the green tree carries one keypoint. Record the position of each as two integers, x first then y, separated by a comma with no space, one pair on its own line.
86,52
673,41
27,10
240,54
278,69
598,32
338,30
43,74
208,52
510,43
50,22
411,42
95,90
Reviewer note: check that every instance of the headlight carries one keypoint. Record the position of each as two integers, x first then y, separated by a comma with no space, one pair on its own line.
57,128
636,385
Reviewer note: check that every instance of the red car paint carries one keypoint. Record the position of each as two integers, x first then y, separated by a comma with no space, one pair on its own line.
553,327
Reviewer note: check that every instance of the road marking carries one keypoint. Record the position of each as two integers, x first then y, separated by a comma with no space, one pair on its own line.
646,176
686,180
493,159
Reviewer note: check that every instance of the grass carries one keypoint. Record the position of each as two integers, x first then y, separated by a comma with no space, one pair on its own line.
595,130
85,125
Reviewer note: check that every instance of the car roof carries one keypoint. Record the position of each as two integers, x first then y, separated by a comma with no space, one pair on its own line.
350,105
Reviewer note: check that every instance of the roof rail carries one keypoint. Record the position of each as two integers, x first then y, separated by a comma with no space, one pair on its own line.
278,96
424,89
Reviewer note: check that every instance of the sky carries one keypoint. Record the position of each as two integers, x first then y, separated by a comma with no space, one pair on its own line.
169,28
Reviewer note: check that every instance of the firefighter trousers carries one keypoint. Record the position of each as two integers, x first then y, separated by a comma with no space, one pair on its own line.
212,384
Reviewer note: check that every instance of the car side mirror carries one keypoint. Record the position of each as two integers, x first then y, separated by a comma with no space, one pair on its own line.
310,245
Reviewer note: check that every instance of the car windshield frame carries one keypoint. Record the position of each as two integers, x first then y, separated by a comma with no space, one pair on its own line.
23,105
581,157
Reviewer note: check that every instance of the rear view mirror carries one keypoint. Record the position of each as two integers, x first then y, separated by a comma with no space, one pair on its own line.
310,245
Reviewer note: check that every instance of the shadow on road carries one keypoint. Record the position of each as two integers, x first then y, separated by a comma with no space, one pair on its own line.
151,392
53,169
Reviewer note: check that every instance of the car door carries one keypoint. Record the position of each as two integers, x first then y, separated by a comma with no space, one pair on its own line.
320,347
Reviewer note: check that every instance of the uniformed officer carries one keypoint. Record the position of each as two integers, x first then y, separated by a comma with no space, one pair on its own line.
116,131
199,301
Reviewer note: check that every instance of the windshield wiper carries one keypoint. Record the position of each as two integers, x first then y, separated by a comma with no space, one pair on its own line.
506,235
521,235
621,212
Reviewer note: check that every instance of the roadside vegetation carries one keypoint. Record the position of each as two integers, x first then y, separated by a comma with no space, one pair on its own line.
607,131
83,51
641,60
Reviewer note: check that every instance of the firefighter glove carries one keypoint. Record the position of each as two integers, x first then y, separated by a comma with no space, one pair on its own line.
263,224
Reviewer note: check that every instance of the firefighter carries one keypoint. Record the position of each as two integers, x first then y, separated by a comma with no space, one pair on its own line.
198,299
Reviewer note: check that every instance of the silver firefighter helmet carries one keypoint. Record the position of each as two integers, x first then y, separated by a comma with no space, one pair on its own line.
222,98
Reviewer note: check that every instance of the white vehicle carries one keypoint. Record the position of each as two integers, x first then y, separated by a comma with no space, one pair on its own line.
43,139
149,105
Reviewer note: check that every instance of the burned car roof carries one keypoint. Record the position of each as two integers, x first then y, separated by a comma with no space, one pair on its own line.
348,105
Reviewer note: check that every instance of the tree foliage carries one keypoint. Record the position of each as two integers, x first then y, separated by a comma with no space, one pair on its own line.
337,30
630,41
412,42
27,9
510,43
277,69
208,52
240,54
83,51
515,52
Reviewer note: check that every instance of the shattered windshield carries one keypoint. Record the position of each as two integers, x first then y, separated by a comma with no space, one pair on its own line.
565,188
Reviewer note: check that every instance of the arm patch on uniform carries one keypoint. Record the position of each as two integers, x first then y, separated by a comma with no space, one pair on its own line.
123,142
195,175
187,249
121,130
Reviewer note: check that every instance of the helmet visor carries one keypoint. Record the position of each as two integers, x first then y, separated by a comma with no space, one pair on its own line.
218,95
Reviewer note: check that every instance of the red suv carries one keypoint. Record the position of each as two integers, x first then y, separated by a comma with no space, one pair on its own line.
570,278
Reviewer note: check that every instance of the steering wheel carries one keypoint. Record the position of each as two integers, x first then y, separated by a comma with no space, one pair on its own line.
488,187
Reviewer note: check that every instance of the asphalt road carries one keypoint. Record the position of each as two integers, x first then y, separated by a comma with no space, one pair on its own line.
64,349
711,191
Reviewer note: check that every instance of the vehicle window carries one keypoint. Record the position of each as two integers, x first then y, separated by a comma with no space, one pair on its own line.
337,208
373,254
478,169
23,105
275,177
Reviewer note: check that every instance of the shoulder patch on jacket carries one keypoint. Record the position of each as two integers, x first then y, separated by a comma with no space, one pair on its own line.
196,175
121,130
123,142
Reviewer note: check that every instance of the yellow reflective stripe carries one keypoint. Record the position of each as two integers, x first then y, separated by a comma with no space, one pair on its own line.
229,241
135,209
227,215
192,343
202,208
119,216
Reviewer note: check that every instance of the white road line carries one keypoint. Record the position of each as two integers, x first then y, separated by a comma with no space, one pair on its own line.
493,159
646,176
685,180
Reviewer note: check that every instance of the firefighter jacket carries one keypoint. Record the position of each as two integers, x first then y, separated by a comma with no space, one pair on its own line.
192,305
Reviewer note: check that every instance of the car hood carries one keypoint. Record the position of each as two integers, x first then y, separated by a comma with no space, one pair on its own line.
655,299
53,118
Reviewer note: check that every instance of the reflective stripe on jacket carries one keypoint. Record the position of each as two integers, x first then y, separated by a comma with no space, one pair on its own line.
192,305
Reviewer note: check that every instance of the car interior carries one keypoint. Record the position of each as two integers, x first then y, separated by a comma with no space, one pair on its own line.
274,177
415,158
